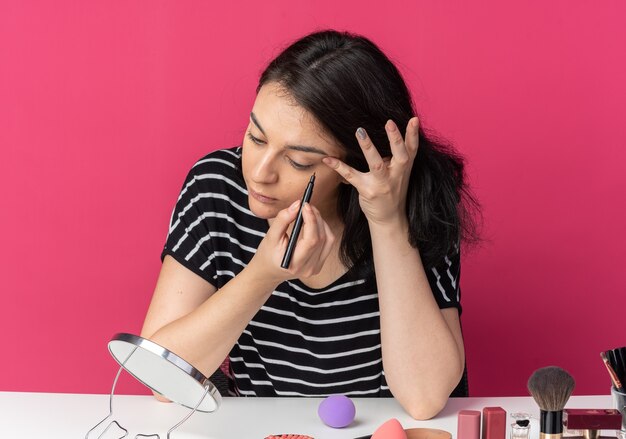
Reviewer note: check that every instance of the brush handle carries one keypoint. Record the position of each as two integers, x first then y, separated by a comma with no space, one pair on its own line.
614,379
617,362
613,361
621,353
551,422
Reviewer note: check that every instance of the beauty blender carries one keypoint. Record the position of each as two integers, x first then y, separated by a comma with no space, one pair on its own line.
289,436
337,411
392,429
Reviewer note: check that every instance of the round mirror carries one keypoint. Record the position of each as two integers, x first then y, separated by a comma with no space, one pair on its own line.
164,372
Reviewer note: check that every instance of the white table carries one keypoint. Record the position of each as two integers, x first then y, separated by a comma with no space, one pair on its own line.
57,415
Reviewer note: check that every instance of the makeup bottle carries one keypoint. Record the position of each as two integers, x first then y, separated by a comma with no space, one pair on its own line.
520,429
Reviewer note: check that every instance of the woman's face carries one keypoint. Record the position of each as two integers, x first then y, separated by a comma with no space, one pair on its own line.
282,148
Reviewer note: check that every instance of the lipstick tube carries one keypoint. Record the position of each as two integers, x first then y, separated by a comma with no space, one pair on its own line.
494,423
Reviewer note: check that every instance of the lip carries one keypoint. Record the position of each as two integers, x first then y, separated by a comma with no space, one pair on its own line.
260,197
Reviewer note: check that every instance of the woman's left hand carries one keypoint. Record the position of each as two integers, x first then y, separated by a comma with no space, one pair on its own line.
382,190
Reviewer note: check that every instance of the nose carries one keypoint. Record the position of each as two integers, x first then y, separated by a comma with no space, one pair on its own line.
264,171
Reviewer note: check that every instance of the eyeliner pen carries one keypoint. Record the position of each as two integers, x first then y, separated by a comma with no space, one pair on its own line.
291,245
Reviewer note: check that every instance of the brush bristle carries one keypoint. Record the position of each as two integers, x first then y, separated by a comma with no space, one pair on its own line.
551,387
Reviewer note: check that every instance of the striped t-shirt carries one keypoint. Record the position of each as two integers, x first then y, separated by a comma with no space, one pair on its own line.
303,341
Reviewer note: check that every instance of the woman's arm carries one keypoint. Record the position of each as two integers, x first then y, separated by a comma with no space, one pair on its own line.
178,292
422,347
201,324
196,321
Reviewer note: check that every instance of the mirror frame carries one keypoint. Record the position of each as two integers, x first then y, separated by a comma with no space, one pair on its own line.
206,387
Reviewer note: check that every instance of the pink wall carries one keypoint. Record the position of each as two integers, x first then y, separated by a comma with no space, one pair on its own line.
105,105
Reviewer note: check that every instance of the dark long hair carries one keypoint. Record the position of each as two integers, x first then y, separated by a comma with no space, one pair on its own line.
347,82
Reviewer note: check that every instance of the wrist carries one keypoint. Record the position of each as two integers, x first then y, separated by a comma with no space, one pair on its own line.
391,234
264,279
393,224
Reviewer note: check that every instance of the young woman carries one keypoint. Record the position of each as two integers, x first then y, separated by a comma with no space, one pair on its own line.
370,303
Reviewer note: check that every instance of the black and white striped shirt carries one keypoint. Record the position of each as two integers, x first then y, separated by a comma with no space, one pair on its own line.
303,341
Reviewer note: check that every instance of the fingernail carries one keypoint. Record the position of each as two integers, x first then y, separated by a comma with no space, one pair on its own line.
390,125
294,205
414,122
361,133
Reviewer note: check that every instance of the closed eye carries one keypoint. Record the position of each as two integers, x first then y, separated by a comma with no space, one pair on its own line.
254,139
296,165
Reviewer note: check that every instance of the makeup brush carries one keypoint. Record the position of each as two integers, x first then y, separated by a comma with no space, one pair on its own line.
611,357
620,354
617,359
613,362
616,382
551,387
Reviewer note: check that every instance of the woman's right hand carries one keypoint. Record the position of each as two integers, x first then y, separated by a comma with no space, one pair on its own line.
313,246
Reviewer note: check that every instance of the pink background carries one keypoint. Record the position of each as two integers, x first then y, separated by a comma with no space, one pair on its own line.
104,106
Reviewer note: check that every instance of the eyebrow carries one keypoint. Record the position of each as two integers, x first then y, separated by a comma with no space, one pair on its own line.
302,148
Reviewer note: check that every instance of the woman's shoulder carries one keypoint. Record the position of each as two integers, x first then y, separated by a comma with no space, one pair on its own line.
216,175
225,160
219,165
